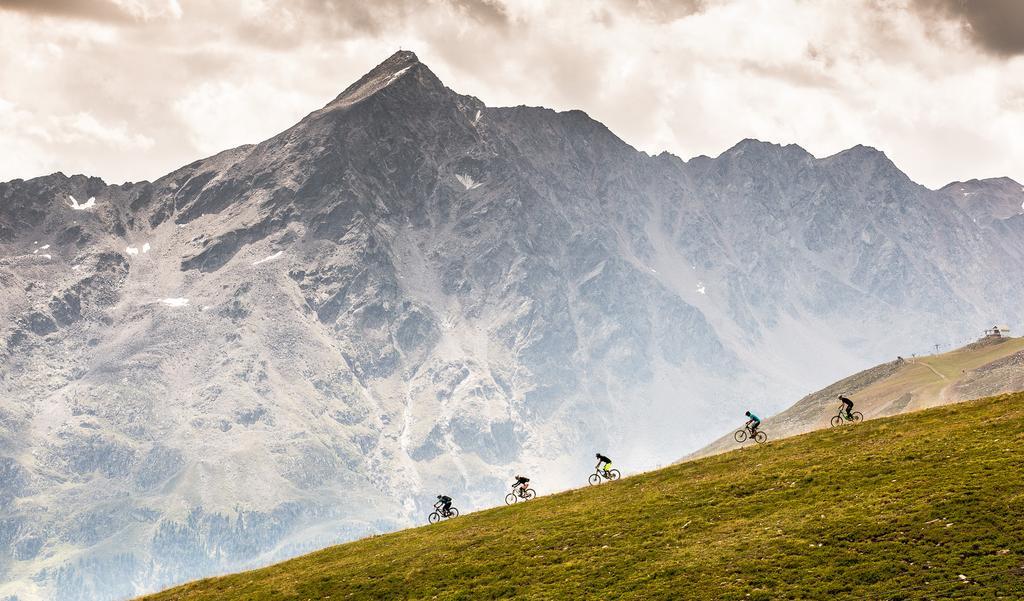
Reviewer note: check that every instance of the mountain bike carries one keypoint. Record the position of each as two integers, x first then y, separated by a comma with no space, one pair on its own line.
436,516
854,417
596,477
744,434
525,494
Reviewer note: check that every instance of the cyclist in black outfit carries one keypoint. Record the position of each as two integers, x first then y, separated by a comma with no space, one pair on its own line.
849,406
446,504
601,459
522,482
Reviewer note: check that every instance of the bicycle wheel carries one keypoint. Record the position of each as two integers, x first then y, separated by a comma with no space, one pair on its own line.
740,435
594,479
614,475
510,499
454,513
530,493
434,517
760,437
836,420
858,416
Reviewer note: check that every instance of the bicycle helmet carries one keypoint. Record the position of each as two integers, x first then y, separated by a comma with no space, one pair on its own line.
747,413
439,497
598,455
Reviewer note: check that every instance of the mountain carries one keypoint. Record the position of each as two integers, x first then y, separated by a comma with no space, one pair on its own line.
303,341
990,200
987,367
873,511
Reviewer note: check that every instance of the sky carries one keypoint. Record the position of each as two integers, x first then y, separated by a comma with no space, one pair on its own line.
131,89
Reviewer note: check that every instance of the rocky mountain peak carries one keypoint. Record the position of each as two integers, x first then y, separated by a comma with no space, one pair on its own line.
753,156
402,66
752,150
866,163
985,200
863,154
1001,184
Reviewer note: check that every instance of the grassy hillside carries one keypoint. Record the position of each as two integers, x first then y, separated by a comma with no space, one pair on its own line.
987,367
920,506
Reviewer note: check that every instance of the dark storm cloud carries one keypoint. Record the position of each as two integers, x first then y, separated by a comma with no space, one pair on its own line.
94,10
995,25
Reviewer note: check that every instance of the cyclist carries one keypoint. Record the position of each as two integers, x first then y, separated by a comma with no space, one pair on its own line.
752,424
602,459
849,406
523,483
444,503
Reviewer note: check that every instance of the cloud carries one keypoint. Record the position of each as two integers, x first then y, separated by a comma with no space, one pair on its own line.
662,11
995,25
98,10
220,115
84,127
104,11
485,12
286,24
133,89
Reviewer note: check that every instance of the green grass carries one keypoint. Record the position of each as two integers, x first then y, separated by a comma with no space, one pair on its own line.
896,508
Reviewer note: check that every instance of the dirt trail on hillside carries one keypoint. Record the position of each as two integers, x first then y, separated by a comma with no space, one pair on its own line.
984,368
935,371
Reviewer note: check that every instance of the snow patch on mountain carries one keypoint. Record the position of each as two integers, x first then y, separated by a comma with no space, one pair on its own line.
83,206
175,302
467,181
593,273
272,257
395,76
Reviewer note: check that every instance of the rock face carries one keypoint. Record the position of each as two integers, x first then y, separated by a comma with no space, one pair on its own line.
303,341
